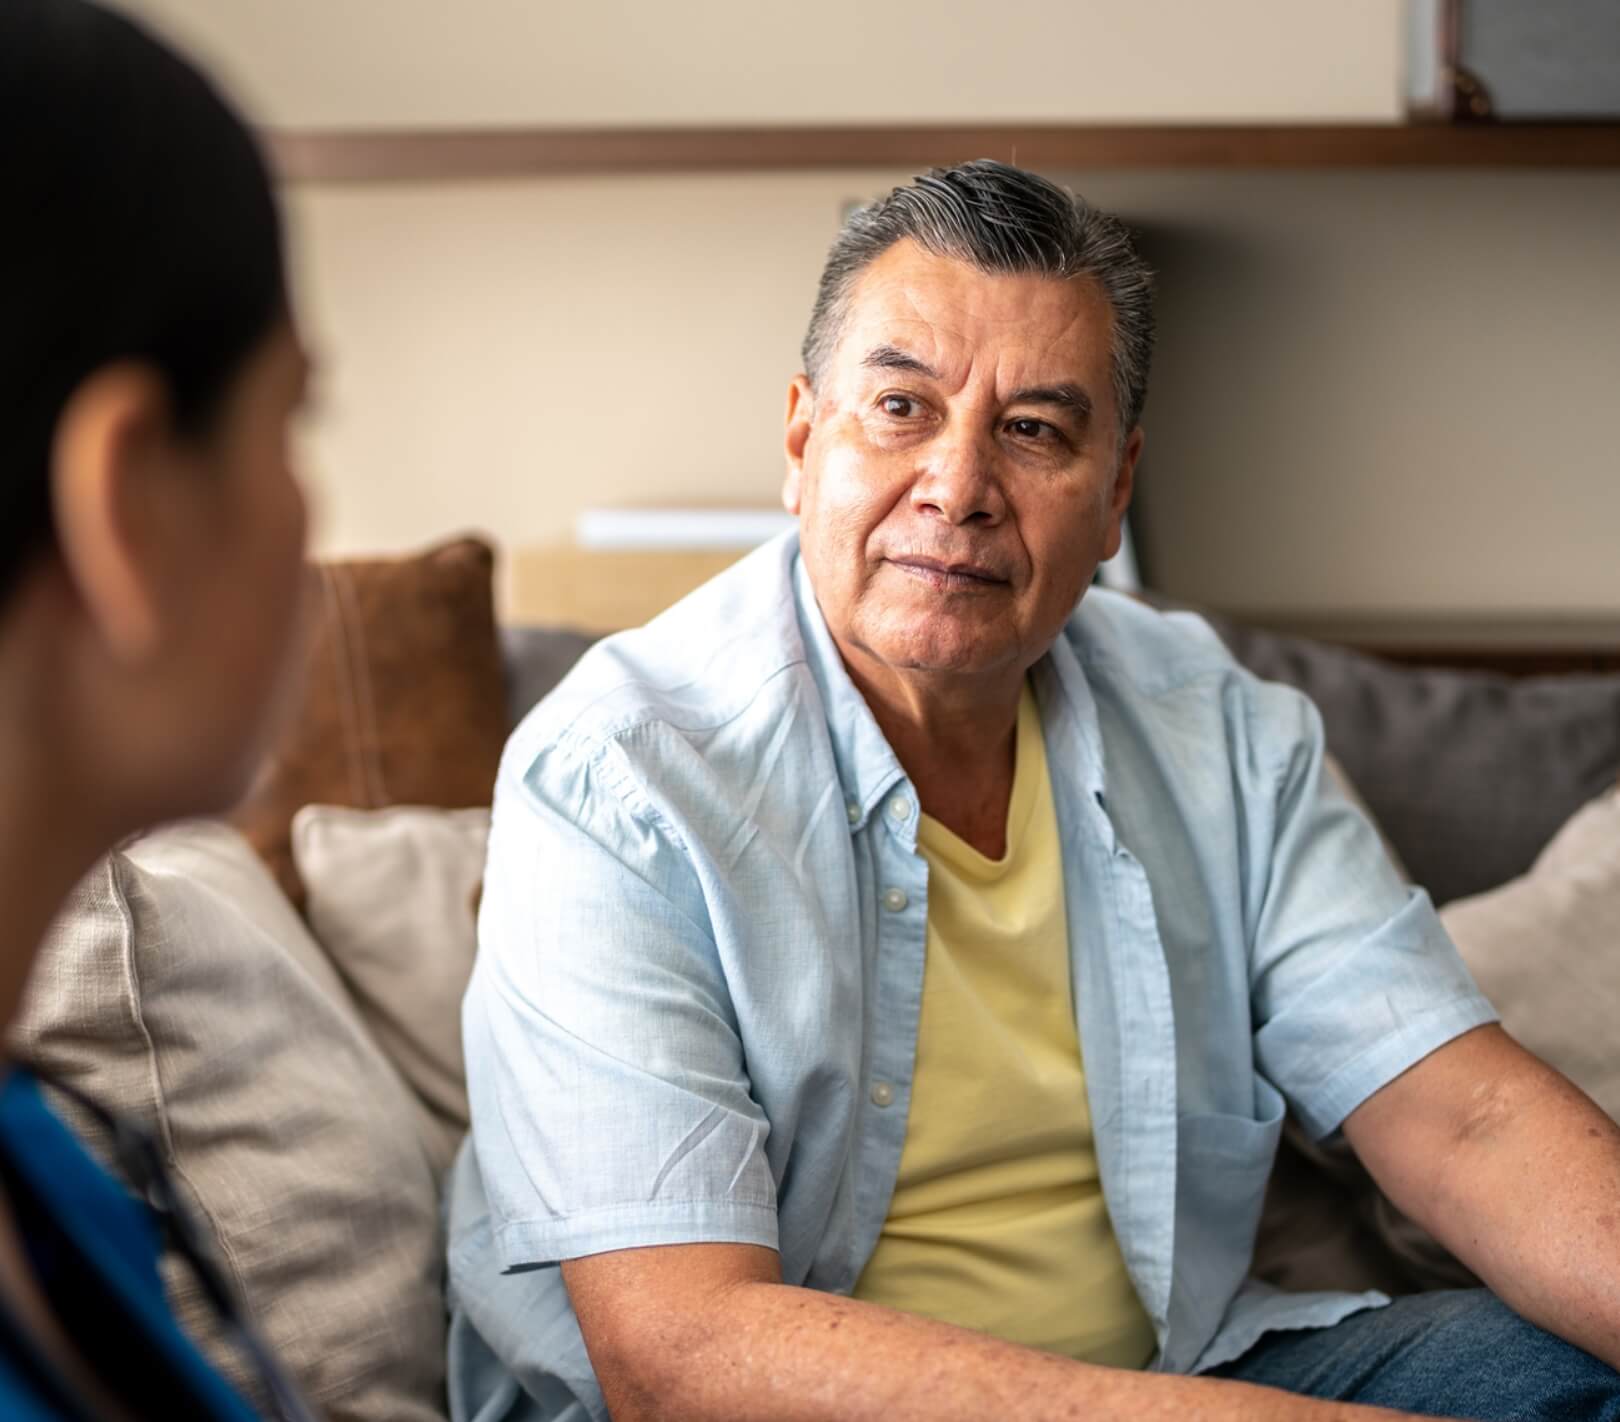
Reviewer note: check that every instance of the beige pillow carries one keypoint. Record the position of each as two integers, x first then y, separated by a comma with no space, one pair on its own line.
1545,949
180,988
391,897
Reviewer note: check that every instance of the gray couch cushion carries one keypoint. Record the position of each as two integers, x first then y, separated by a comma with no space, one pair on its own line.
536,660
1470,774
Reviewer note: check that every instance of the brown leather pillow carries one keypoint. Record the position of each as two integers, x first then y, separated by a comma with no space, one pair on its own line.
404,700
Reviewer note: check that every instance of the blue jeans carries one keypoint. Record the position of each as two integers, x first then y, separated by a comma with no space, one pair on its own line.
1456,1353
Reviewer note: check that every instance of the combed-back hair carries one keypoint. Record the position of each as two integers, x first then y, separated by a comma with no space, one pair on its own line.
140,224
1000,219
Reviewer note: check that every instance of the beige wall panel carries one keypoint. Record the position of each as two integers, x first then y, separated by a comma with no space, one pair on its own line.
1385,390
390,63
503,355
1375,392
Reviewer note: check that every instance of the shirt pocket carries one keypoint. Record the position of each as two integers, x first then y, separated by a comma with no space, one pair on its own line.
1223,1163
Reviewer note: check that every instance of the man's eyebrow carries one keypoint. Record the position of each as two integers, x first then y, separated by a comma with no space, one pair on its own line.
1070,397
1064,394
893,358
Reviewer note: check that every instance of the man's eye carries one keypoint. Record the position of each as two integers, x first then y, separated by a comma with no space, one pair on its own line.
1031,429
902,407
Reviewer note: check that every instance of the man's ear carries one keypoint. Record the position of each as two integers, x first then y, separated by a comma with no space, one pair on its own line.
1124,486
801,416
108,452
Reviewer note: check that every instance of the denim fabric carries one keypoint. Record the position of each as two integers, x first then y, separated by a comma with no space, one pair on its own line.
701,946
1459,1353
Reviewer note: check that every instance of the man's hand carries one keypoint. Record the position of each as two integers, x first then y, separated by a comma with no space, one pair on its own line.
1514,1170
709,1331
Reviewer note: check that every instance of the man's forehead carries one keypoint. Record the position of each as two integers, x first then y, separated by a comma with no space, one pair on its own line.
947,313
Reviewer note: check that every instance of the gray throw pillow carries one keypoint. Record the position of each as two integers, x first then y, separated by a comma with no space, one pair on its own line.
1470,774
536,659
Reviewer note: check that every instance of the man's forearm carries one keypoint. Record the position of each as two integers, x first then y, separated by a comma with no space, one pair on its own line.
1529,1199
796,1355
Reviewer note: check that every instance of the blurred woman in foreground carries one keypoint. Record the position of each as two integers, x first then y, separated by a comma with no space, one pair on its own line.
151,542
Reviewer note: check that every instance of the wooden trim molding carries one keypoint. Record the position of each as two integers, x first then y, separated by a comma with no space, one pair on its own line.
1512,643
334,156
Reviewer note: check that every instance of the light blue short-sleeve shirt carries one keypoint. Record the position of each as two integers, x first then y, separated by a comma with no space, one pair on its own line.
694,1012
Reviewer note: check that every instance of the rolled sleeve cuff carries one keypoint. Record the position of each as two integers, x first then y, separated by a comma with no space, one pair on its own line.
528,1244
1324,1106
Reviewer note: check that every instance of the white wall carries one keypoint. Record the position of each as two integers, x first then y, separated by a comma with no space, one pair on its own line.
1384,391
505,354
1376,391
386,63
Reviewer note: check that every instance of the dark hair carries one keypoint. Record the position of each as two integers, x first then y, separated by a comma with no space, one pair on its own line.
1000,219
140,224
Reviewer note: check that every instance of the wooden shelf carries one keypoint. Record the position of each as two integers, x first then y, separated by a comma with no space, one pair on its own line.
401,155
1509,642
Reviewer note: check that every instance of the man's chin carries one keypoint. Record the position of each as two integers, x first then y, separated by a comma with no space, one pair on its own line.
934,648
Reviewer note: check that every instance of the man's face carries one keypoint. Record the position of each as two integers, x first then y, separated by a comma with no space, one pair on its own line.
958,474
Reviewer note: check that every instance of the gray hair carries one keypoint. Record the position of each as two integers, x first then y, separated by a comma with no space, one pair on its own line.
1002,220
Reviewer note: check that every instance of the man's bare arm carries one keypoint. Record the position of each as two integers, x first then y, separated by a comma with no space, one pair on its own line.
1515,1171
687,1332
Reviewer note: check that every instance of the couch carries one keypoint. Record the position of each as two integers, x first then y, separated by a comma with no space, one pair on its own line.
275,995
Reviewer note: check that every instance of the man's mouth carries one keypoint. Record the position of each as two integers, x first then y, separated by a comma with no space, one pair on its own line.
949,576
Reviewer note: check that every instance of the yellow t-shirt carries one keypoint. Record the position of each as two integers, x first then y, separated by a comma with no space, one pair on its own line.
997,1221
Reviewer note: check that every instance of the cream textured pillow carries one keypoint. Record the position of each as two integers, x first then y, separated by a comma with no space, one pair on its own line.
392,898
1545,949
181,988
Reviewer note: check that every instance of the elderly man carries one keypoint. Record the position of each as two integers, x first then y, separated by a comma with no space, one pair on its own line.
895,959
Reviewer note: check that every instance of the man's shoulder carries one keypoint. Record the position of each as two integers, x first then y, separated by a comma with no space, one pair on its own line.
1149,650
691,671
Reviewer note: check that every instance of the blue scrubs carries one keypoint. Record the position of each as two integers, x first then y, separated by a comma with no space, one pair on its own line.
95,1250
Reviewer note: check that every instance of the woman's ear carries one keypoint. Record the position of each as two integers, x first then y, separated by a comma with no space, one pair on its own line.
113,441
801,416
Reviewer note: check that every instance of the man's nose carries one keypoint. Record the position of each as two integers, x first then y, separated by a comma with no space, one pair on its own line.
958,480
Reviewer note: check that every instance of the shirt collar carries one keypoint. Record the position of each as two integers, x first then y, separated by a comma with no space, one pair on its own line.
867,766
1069,717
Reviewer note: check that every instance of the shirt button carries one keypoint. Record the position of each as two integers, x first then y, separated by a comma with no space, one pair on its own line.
853,811
899,808
895,899
882,1094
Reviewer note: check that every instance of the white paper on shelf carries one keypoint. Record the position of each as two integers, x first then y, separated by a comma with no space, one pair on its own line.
1425,75
1120,572
677,529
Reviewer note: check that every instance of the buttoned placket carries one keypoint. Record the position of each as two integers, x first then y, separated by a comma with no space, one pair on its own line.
1121,982
893,879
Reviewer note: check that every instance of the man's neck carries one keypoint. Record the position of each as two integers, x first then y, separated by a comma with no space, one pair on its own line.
956,738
